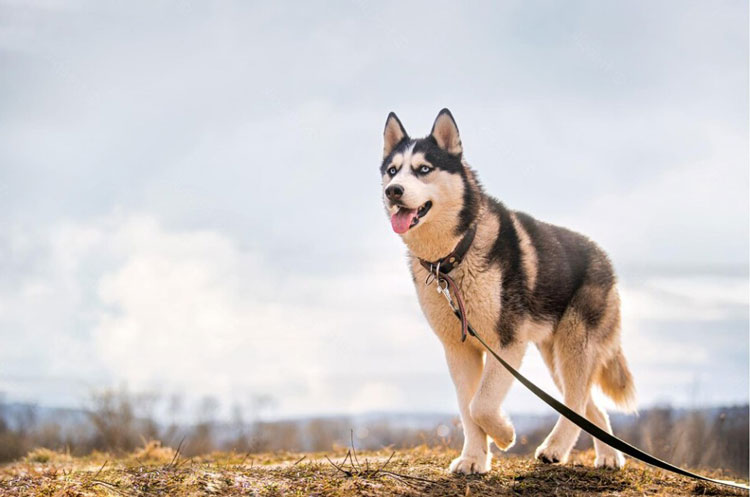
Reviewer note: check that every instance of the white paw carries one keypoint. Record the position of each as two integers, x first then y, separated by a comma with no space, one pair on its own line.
505,437
610,459
497,425
550,452
469,465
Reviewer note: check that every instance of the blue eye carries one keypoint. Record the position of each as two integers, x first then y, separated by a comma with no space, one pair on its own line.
425,169
392,171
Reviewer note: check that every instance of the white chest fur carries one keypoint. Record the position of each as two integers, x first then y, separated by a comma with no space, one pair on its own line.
480,287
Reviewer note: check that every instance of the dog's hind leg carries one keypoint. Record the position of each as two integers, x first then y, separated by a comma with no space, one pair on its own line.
574,364
486,408
465,364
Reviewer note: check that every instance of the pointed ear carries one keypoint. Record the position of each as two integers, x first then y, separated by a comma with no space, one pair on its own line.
393,134
445,133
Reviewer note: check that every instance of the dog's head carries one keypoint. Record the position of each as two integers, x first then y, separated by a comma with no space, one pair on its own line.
427,188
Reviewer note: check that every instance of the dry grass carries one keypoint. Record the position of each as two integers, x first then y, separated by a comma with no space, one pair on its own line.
158,471
43,455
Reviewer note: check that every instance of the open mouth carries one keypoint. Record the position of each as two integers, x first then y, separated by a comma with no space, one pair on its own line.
404,219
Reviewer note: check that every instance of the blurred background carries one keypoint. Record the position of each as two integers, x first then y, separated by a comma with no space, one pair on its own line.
193,243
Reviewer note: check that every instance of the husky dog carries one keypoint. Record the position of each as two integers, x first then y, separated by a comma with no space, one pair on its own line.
522,281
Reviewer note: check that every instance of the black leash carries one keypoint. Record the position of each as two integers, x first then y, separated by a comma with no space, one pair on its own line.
555,404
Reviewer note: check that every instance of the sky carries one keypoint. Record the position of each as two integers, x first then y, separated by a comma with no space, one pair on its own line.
190,198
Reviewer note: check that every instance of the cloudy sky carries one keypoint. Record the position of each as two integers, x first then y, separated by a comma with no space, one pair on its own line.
189,192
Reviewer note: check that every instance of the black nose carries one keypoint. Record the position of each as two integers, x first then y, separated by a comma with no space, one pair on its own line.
394,192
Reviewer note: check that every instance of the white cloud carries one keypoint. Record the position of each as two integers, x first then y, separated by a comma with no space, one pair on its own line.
190,311
686,298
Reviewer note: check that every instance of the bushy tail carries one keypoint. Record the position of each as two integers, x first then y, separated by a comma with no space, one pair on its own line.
616,382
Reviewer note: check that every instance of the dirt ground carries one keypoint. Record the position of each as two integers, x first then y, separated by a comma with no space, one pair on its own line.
159,471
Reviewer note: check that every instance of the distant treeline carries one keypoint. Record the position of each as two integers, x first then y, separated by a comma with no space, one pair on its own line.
117,421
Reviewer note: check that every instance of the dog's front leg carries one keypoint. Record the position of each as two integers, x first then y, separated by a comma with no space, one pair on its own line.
486,405
465,364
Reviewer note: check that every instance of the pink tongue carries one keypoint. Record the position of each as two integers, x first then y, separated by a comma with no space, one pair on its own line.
401,220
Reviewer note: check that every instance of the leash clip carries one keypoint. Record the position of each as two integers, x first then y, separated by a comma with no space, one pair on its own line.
445,290
443,285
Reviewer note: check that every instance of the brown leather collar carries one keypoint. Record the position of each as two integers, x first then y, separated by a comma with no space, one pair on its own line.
450,261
